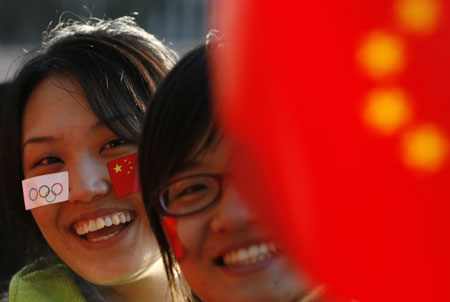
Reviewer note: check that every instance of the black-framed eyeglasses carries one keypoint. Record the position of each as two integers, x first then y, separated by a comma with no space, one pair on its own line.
190,194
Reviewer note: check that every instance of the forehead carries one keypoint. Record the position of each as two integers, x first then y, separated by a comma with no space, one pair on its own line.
56,103
217,155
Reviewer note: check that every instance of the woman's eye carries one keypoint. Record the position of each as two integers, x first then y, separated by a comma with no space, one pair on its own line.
48,161
192,189
115,143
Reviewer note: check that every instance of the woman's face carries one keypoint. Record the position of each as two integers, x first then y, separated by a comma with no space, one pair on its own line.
61,133
227,255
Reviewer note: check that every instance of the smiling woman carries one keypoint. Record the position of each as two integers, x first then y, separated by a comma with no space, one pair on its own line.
199,217
76,104
75,140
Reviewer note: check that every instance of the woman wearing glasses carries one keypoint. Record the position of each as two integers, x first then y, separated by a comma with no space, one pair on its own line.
198,216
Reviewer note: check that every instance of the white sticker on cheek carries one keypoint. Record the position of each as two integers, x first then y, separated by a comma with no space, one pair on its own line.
45,189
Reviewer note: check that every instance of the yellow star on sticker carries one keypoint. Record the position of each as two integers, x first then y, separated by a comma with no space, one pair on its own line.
118,168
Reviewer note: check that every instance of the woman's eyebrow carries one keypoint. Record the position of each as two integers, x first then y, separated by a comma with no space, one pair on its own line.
98,125
113,119
190,165
39,140
50,138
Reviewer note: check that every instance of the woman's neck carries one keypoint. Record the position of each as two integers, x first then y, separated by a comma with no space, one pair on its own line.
154,286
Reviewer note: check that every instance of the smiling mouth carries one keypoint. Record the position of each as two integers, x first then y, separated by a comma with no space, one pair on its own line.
103,227
248,255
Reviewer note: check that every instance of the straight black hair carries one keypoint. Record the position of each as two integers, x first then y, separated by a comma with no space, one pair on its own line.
179,126
117,65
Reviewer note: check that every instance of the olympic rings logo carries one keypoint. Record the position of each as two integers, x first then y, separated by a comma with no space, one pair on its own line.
44,192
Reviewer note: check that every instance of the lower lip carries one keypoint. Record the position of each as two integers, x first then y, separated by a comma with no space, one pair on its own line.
241,270
108,242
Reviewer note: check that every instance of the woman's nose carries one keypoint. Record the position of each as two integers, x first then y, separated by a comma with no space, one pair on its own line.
88,179
232,213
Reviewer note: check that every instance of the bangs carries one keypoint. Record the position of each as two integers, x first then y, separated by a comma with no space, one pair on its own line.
181,121
211,139
116,83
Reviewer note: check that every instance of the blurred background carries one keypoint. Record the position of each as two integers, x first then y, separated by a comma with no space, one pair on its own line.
180,23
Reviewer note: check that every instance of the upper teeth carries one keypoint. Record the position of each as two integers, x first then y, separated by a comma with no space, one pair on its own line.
251,254
92,225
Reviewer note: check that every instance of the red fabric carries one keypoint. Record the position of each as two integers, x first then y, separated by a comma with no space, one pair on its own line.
124,175
170,227
339,194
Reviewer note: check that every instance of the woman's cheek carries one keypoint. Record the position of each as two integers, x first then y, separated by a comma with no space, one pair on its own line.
191,232
45,217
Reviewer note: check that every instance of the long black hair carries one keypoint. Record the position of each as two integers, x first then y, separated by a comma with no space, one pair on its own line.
179,125
117,65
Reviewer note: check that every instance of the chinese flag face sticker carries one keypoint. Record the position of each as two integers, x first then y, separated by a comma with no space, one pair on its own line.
124,175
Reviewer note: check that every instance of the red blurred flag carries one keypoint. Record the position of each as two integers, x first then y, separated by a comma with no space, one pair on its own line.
124,175
340,114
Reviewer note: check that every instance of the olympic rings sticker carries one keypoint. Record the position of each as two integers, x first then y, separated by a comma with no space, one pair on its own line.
33,192
45,189
57,189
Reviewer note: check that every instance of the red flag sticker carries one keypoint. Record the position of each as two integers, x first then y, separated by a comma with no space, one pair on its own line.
170,226
124,175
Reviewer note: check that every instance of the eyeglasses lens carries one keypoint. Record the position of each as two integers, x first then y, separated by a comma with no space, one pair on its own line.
191,194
